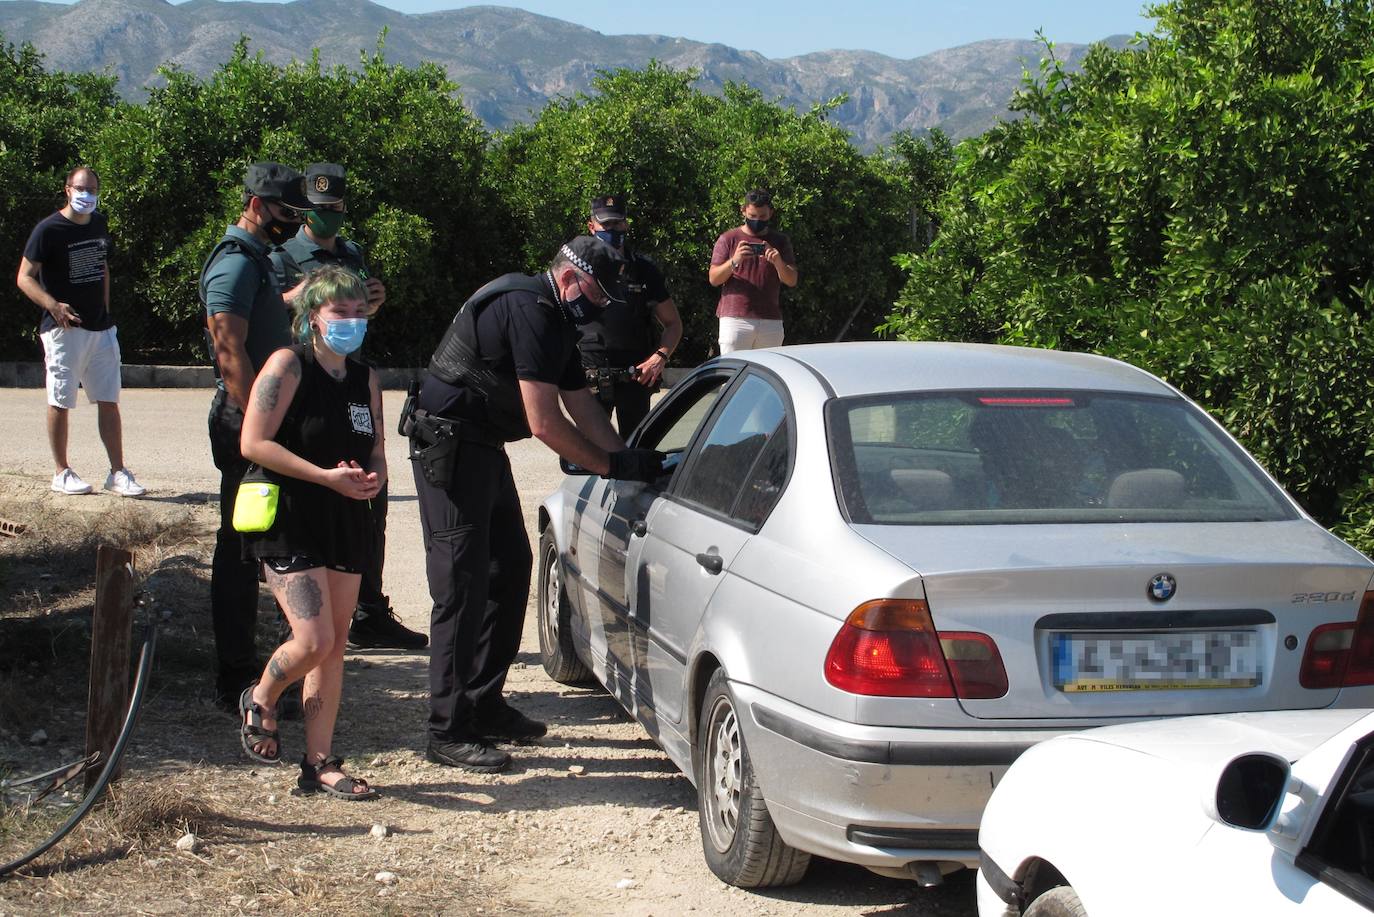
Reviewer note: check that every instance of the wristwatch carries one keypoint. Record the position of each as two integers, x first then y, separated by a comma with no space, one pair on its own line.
663,353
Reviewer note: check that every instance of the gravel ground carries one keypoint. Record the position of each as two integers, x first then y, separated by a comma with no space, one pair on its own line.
593,819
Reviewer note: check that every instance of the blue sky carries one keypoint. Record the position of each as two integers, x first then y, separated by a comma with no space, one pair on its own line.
782,28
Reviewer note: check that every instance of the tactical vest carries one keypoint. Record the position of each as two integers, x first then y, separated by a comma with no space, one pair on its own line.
456,360
624,328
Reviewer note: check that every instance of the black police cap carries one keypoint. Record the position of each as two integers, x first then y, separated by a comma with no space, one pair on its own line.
592,256
325,182
608,207
273,181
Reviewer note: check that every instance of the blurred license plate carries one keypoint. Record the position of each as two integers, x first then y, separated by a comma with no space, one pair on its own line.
1156,662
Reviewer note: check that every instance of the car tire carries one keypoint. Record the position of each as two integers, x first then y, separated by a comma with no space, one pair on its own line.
738,836
556,649
1061,901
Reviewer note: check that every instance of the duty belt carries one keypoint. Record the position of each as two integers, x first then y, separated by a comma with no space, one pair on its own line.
430,428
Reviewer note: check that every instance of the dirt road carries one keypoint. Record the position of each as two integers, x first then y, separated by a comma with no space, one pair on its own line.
594,819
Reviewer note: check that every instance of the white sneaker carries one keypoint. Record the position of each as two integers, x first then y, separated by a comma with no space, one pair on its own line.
122,482
67,481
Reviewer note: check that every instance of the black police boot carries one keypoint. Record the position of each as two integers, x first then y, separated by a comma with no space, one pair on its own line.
508,724
377,627
470,756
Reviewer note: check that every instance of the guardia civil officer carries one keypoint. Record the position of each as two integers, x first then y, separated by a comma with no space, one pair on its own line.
319,242
246,320
623,352
507,361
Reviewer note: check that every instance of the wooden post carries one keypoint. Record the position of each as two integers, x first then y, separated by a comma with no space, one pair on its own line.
111,630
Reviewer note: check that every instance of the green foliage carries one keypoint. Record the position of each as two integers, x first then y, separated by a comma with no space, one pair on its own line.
174,168
684,160
441,208
46,120
1197,205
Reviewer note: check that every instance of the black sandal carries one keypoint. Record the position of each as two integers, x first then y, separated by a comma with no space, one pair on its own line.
251,731
309,781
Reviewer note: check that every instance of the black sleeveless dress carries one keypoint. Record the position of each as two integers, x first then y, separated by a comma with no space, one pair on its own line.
328,421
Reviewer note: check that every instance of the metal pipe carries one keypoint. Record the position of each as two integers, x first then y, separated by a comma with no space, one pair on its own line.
145,666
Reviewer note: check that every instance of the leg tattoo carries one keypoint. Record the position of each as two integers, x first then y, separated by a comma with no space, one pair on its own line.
278,665
303,598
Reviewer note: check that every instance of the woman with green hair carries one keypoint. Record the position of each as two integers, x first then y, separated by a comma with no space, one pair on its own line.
314,426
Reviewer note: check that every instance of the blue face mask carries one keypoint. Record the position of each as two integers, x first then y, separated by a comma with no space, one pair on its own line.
612,237
344,335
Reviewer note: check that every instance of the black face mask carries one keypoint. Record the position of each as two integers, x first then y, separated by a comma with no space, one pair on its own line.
757,226
277,230
582,310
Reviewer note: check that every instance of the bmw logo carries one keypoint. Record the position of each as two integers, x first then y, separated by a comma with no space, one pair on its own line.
1163,587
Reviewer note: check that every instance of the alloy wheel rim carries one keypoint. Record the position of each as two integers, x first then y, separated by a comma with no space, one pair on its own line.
553,586
724,763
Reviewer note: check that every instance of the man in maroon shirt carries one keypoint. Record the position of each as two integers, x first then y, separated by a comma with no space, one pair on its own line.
749,263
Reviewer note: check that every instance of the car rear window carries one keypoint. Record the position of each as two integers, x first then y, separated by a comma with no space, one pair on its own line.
999,457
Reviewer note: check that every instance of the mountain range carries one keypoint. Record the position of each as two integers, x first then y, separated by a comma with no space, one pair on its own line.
509,63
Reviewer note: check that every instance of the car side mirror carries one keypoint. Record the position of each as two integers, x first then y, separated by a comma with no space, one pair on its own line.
1249,791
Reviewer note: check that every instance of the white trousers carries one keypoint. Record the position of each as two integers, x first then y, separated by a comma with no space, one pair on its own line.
749,333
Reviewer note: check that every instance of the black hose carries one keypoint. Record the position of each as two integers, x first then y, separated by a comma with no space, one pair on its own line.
145,666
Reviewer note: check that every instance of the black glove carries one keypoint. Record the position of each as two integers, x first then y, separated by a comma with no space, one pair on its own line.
636,465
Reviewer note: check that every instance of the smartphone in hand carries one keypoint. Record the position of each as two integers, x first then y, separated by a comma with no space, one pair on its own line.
758,248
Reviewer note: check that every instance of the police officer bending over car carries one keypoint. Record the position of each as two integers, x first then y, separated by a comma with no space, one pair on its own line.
506,362
622,351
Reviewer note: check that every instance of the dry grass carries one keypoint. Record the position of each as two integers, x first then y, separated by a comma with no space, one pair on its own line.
259,847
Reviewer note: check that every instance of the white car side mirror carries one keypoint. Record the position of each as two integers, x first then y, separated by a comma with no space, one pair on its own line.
1248,791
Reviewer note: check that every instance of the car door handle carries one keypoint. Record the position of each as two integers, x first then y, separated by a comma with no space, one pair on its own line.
712,562
639,528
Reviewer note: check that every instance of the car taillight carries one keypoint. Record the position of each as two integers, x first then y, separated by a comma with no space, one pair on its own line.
1342,654
890,648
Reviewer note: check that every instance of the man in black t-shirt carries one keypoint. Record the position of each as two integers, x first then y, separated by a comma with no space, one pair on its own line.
65,270
622,351
500,374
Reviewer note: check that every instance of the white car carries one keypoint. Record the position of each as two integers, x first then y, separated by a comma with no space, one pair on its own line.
873,574
1247,814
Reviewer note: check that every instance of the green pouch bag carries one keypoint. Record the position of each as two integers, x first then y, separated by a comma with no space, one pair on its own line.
255,506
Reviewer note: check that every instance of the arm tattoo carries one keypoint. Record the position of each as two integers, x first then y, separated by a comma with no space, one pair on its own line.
269,387
303,598
278,665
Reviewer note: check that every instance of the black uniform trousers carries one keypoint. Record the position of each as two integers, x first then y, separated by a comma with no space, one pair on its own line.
478,562
370,589
233,580
630,401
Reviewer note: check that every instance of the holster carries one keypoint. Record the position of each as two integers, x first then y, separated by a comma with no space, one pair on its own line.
602,380
434,446
407,419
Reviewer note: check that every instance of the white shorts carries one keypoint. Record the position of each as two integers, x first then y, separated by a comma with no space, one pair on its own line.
74,355
749,333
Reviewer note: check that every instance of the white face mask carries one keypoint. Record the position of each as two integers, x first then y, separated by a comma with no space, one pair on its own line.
83,201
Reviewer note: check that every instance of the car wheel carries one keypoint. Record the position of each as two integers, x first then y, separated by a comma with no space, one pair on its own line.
556,648
1061,901
741,843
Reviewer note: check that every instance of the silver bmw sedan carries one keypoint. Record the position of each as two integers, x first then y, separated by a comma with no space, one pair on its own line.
872,575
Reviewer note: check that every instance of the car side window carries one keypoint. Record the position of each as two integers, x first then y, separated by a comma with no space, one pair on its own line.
671,430
743,459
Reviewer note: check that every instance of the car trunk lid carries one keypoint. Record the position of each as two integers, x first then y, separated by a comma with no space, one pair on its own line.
1083,635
